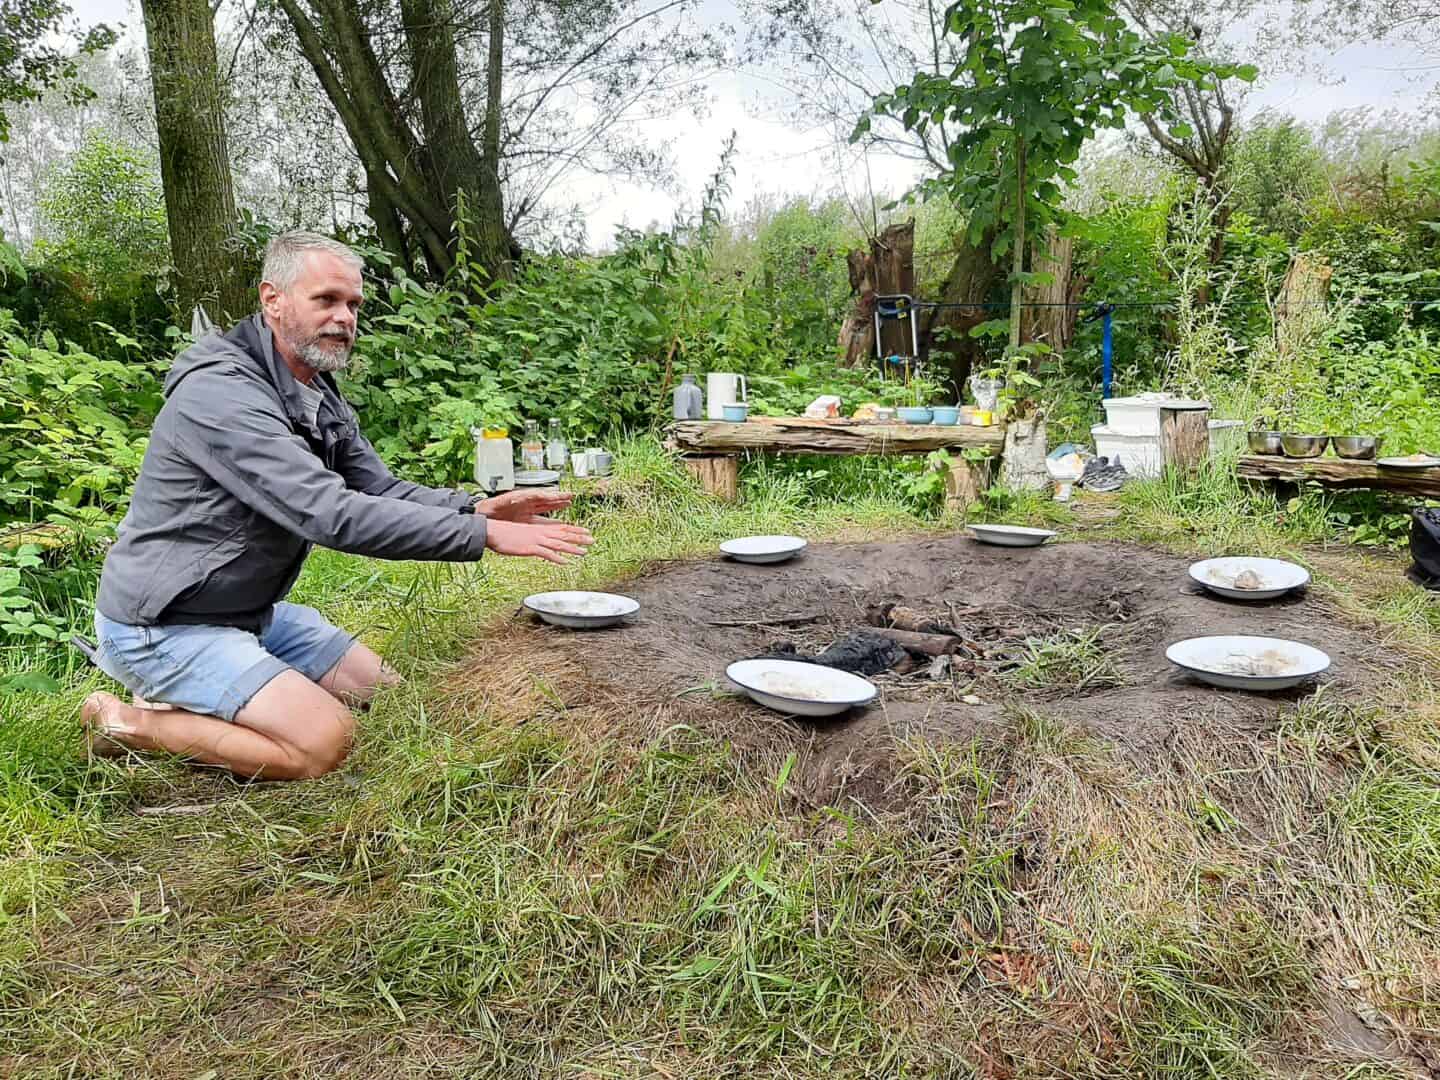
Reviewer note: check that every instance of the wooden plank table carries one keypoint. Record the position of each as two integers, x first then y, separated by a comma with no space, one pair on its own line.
711,447
1339,473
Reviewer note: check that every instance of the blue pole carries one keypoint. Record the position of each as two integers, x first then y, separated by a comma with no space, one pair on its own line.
1107,350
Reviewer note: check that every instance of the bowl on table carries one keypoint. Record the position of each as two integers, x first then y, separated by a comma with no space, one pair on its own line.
1304,446
736,414
1264,442
1357,447
915,415
945,415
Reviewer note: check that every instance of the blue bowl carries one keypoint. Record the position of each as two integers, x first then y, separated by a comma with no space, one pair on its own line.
909,415
736,414
946,414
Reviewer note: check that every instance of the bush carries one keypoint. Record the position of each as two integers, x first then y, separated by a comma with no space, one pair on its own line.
72,425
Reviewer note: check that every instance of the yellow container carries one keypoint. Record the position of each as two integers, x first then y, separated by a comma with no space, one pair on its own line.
983,418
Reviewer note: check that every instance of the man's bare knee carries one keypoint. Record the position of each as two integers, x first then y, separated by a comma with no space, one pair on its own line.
359,676
312,730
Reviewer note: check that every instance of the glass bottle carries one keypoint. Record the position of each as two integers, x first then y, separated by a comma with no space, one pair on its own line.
532,450
556,452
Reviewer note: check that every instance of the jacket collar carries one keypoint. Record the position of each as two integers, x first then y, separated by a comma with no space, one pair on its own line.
257,339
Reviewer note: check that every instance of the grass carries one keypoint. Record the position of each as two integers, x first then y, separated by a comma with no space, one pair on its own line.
1072,660
511,879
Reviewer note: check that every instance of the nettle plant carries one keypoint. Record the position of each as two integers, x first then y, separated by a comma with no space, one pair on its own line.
1036,80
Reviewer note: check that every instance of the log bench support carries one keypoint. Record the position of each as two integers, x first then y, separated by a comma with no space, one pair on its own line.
719,474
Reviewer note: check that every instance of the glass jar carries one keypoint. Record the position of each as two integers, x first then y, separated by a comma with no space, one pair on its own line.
532,450
556,452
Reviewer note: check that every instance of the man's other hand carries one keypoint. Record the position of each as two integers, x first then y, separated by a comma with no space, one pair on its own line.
526,507
549,540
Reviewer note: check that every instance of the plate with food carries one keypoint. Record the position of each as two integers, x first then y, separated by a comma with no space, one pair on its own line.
1246,578
577,610
1248,663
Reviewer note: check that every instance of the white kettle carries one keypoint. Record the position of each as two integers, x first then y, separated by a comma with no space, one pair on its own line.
720,390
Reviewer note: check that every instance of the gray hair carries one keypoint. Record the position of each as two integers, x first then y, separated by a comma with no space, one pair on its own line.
285,256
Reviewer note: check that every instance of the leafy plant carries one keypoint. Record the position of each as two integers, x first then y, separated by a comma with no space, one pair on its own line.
1036,81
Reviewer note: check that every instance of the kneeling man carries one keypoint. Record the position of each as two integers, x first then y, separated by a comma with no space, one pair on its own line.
255,457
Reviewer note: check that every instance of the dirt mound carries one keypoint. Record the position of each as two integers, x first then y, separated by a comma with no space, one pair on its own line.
1091,622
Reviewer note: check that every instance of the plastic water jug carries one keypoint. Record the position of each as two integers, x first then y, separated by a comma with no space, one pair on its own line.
494,459
689,399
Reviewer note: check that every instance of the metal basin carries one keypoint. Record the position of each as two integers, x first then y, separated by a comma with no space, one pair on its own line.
1357,447
1304,445
1264,442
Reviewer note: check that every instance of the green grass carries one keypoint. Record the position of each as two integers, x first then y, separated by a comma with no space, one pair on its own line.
1074,660
501,884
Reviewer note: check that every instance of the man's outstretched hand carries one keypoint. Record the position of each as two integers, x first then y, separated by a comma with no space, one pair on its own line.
549,540
526,507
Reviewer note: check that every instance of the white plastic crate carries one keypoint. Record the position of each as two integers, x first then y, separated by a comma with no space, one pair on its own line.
1140,454
1140,414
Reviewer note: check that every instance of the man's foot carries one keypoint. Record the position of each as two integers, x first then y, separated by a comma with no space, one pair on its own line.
110,730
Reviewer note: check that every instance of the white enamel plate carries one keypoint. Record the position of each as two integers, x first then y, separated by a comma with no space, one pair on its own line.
800,689
1243,578
763,549
1248,663
536,478
581,610
1010,535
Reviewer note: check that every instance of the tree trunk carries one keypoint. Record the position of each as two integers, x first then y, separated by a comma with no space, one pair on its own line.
1049,318
945,331
492,236
886,269
425,178
857,332
456,170
194,159
1017,259
1184,439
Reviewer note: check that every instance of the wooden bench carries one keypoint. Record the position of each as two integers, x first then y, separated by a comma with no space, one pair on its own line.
711,448
1339,473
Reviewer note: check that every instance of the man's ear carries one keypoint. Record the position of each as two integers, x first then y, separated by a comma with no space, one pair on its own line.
269,295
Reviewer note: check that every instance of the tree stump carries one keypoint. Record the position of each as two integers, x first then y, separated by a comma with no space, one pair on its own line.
967,481
1184,438
886,269
719,474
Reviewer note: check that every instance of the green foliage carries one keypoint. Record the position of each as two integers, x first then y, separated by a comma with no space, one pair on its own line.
72,425
1277,175
32,56
1036,82
802,274
107,214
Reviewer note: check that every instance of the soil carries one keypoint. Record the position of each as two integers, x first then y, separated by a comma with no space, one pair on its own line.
697,617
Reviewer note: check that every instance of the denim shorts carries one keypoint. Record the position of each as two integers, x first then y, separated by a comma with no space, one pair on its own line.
216,670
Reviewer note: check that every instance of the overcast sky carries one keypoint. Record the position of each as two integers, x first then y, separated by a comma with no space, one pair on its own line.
774,158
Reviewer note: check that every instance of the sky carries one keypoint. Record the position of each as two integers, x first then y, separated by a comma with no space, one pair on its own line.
777,160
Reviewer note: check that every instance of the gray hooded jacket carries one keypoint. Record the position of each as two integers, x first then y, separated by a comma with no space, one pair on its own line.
237,484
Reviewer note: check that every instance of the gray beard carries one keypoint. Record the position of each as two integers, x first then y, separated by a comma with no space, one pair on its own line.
320,358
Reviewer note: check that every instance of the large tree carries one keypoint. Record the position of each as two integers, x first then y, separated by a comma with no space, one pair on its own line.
832,58
1037,79
453,105
195,158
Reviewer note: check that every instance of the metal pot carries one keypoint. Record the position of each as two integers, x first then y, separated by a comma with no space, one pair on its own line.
1304,446
1264,442
1357,447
